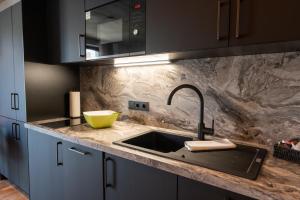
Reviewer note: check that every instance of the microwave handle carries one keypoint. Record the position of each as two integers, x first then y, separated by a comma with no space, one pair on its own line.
81,42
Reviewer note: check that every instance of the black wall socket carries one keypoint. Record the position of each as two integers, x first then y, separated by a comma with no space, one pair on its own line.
138,105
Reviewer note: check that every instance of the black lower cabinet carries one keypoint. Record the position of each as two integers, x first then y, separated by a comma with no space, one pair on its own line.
22,156
193,190
45,167
127,180
8,143
83,173
61,170
14,152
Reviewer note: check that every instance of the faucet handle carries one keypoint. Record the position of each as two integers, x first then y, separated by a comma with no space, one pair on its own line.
209,131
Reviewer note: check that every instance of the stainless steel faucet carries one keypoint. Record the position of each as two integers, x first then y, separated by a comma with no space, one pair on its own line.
202,130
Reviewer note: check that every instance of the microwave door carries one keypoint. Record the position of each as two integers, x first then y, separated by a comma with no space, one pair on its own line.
107,30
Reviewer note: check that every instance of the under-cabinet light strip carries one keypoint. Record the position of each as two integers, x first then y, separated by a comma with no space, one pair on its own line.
159,59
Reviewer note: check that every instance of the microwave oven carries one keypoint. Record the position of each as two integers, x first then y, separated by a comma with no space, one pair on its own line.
116,29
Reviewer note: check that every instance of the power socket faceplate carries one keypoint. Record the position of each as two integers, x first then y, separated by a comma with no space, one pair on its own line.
138,105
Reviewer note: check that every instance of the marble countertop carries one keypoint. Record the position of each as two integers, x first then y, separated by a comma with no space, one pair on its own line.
278,179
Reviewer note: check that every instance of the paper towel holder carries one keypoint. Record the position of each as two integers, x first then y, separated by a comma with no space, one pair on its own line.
74,104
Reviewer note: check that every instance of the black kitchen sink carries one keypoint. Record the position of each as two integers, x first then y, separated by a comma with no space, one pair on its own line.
244,161
157,141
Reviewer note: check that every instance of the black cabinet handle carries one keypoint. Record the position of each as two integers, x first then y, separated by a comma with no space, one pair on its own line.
16,101
13,130
17,129
107,183
58,162
73,149
218,19
81,41
220,3
238,19
12,103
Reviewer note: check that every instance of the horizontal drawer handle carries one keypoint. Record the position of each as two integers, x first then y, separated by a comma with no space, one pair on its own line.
78,152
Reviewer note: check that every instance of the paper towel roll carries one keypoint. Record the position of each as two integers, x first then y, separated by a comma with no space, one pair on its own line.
75,104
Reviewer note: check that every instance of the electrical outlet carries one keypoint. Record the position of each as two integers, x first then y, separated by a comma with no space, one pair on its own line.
138,105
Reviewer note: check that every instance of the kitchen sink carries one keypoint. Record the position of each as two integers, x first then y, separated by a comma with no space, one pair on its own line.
158,141
243,161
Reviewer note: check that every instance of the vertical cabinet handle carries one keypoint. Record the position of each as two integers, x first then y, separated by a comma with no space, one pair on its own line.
58,161
12,103
238,19
17,129
13,130
218,19
107,182
81,45
16,101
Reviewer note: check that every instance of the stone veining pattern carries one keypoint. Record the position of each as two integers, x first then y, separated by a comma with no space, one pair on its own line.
254,98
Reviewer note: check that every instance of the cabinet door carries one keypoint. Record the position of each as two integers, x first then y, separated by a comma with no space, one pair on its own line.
45,167
23,163
72,30
127,180
257,21
83,173
2,147
6,135
176,25
192,190
7,81
12,151
19,62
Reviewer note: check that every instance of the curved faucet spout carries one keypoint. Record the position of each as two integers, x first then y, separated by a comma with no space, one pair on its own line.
201,126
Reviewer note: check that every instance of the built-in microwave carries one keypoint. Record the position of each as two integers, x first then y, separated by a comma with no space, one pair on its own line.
116,29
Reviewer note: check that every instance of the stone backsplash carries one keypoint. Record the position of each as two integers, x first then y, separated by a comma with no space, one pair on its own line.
255,98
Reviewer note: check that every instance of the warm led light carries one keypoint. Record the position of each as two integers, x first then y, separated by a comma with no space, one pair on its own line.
159,59
143,64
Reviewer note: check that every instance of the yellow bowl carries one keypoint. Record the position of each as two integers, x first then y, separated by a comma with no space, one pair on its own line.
101,119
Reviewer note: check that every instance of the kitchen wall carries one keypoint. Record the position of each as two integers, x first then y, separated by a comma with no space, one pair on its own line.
254,98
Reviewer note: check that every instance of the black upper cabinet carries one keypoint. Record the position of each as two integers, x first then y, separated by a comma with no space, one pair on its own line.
12,81
18,46
257,21
176,25
72,30
21,61
126,179
205,25
7,73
